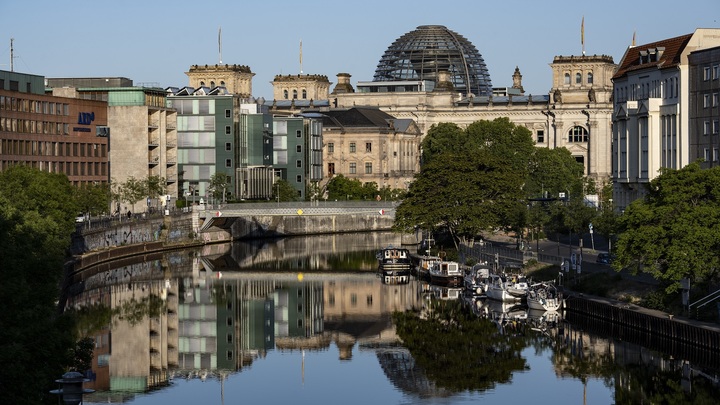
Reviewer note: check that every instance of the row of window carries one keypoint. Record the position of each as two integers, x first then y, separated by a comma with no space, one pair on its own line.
47,148
69,168
711,129
579,78
711,73
353,147
34,106
286,94
710,100
711,158
667,88
33,127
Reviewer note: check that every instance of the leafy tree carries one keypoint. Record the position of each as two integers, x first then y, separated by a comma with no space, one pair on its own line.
553,171
674,233
471,180
344,188
218,185
155,186
92,198
287,191
131,191
37,211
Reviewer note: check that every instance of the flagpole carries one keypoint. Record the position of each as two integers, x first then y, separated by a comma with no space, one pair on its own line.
301,70
582,35
220,44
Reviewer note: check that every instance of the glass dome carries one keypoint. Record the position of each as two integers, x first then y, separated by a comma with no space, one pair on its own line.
430,49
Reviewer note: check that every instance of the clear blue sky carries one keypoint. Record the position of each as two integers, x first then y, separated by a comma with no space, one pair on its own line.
156,41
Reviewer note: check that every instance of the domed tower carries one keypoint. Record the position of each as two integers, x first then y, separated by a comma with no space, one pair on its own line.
429,50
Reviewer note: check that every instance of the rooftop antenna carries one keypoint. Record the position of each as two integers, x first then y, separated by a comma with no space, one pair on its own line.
220,44
12,56
301,56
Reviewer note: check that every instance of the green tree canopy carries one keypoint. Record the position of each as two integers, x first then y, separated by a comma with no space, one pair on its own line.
93,199
344,188
37,211
286,190
471,180
674,232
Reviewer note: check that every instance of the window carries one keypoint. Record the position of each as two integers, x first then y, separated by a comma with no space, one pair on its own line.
368,147
298,178
228,146
331,147
706,128
304,94
716,126
298,133
298,163
706,101
706,73
707,154
715,155
353,168
567,78
578,78
541,136
590,78
298,148
352,147
715,72
285,94
227,113
228,162
227,130
715,99
294,94
578,134
368,168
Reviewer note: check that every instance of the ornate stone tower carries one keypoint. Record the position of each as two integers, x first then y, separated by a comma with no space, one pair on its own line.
301,87
237,79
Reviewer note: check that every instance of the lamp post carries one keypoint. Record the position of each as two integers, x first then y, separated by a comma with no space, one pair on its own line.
71,390
278,191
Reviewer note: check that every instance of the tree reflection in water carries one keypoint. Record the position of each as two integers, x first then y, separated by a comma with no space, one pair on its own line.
459,351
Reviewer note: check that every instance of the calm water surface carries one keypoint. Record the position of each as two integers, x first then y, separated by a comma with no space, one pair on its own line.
306,320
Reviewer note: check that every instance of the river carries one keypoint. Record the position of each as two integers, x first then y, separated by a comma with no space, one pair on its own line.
306,320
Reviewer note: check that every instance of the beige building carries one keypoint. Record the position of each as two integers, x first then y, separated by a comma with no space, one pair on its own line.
301,87
237,79
652,111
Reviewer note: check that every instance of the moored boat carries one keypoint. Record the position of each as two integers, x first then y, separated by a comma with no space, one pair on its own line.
544,296
446,273
424,265
507,288
394,265
476,280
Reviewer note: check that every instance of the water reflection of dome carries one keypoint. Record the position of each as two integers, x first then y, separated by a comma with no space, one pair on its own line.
429,50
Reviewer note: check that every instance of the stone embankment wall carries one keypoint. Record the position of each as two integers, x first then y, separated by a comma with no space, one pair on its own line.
263,226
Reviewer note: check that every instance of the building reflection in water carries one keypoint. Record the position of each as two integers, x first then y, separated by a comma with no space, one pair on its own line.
211,312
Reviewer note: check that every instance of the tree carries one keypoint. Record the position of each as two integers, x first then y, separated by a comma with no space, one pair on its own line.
674,232
155,186
286,190
344,188
131,191
93,199
37,211
218,186
471,180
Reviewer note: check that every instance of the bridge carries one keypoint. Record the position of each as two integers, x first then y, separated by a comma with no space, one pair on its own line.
289,218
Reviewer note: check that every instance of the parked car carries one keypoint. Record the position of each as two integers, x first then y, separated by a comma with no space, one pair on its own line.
80,218
605,258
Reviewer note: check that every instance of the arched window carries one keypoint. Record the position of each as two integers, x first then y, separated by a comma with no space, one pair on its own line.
294,94
590,78
304,94
577,134
212,84
285,94
222,83
202,83
567,78
578,78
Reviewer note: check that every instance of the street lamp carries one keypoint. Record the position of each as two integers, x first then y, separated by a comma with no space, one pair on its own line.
71,390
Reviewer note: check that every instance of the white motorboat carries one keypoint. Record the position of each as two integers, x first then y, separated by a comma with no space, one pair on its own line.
476,280
544,296
507,288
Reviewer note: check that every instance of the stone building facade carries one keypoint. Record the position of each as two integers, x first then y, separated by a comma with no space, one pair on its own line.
237,79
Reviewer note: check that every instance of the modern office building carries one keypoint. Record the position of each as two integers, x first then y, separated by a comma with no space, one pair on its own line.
53,133
704,82
142,134
652,93
297,153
